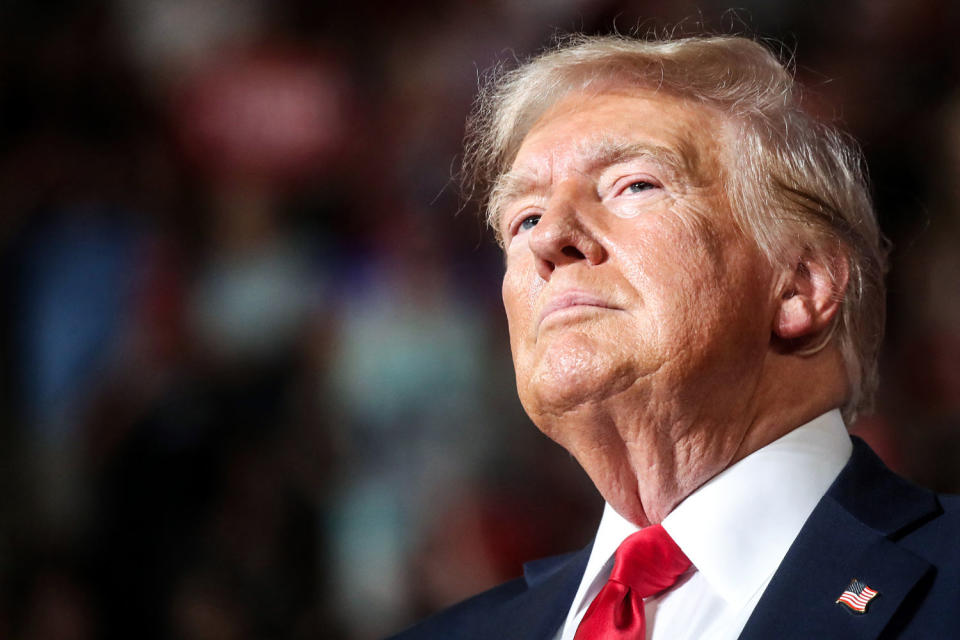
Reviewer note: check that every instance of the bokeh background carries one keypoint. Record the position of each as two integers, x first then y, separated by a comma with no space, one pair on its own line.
254,377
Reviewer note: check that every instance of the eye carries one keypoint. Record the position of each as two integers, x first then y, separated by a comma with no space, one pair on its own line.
639,185
529,222
524,223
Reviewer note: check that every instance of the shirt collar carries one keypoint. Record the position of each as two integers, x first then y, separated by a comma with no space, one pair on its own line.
737,527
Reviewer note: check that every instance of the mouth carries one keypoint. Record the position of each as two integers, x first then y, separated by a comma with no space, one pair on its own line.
572,300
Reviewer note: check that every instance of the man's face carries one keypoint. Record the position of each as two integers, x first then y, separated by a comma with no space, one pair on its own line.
626,273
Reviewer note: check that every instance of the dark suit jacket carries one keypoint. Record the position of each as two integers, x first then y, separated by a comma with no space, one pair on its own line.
900,539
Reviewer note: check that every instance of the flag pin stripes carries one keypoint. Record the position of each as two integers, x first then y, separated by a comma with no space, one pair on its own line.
857,596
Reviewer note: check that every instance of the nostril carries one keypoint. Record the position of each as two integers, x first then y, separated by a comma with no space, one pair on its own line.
545,269
572,252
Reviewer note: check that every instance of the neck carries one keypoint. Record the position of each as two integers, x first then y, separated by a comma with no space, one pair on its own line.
646,461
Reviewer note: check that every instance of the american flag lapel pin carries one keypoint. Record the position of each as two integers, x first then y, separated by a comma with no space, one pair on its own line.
857,596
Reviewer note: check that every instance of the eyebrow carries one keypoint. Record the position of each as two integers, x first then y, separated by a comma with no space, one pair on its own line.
595,155
611,152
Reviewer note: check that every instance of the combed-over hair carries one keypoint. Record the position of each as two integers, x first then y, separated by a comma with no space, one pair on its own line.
795,184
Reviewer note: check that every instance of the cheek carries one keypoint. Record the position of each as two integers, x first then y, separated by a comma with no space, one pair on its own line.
679,266
671,258
518,291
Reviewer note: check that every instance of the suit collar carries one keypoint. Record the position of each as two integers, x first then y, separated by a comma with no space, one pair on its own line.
539,610
850,534
879,498
532,608
538,571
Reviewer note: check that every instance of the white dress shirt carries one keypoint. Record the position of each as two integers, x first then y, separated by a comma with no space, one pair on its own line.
735,529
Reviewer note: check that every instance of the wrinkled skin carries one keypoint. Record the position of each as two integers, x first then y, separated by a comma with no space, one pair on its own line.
640,315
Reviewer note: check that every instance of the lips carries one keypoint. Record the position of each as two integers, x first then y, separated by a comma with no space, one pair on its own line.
572,299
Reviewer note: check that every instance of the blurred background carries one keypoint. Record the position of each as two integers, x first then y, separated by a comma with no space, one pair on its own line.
255,378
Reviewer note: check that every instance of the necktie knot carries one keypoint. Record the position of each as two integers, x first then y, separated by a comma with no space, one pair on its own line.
649,561
646,563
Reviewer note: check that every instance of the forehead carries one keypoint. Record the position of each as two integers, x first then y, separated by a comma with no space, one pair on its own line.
584,126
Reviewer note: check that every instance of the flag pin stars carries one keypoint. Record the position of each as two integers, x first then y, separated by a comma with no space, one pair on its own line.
857,596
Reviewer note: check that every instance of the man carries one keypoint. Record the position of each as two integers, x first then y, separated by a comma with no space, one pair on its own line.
694,293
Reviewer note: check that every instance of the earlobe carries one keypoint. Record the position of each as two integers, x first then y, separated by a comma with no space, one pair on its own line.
811,297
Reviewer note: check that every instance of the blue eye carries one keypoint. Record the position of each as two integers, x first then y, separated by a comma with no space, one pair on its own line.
640,185
529,222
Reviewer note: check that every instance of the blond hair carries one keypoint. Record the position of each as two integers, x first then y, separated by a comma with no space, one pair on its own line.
796,184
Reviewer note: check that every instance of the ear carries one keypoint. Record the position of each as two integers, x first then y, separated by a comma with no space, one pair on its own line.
811,296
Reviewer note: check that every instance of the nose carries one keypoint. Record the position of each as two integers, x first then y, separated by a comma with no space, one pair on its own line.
562,236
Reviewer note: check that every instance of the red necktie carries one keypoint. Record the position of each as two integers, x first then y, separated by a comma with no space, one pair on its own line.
646,563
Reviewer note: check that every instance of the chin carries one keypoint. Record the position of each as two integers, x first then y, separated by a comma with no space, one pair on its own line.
573,375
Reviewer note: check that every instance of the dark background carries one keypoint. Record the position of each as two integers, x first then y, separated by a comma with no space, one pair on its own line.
255,380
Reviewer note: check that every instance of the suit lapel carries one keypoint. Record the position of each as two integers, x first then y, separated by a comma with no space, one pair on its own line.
538,612
851,534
